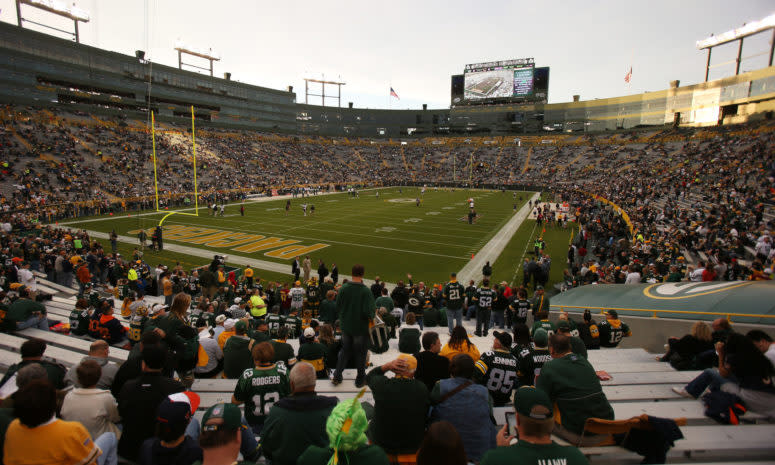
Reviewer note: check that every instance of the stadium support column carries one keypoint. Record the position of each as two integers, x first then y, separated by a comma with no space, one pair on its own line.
707,65
772,46
739,57
19,14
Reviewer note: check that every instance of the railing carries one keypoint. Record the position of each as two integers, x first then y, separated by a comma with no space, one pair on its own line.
654,312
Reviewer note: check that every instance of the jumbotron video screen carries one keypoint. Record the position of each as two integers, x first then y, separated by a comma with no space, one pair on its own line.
517,80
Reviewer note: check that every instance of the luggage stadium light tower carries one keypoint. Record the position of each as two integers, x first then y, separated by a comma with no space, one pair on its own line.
208,55
58,8
746,30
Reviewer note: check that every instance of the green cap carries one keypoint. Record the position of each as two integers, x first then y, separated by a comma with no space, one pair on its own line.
562,324
532,403
241,326
222,416
541,337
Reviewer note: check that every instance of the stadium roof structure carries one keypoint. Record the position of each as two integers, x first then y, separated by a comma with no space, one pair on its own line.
741,301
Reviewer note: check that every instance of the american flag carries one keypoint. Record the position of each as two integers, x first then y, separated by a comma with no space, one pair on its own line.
394,94
628,76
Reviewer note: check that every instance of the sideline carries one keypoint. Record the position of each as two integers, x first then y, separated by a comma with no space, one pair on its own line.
492,250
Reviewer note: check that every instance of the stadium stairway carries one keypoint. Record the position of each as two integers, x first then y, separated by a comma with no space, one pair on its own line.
638,385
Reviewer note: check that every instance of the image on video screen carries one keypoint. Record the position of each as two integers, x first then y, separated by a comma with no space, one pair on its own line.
489,84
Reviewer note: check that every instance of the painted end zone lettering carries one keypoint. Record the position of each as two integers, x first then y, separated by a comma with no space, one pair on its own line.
227,239
288,253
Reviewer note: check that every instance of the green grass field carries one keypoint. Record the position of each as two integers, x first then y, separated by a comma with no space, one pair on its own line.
388,233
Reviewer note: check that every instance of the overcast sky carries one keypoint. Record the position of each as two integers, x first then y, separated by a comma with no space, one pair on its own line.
415,46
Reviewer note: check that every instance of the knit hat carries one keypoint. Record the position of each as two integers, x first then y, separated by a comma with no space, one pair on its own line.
222,416
541,337
532,403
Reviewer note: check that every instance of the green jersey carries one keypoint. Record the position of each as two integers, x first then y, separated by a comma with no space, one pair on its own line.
260,389
485,297
545,324
313,353
524,453
274,322
293,323
79,321
454,294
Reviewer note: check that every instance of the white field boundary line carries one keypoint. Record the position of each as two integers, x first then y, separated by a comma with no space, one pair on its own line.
235,259
522,258
492,250
130,240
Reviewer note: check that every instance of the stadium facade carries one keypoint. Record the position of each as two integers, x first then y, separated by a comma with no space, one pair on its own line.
41,70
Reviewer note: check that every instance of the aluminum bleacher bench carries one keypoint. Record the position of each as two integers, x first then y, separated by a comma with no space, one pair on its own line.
63,356
710,443
58,287
619,355
72,343
8,358
208,399
663,377
640,392
638,367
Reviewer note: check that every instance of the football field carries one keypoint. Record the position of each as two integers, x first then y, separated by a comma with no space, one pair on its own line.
382,228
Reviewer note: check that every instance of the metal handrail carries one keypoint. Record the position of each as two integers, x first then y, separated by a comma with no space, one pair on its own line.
654,312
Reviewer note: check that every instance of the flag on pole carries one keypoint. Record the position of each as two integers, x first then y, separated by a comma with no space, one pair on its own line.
628,76
394,94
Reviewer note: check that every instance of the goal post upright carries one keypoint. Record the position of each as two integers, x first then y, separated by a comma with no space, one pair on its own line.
155,179
193,143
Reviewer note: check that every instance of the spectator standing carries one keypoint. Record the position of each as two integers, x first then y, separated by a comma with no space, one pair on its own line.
139,399
431,366
307,267
297,421
355,305
540,302
465,404
484,298
398,430
613,330
454,295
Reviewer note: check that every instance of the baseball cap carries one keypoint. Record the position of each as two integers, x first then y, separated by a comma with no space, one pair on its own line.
178,408
220,319
17,260
158,307
240,326
237,300
504,338
612,313
222,416
229,324
297,283
532,403
309,333
539,288
562,324
541,337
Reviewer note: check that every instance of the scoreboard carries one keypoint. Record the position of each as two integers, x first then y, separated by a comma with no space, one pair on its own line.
501,82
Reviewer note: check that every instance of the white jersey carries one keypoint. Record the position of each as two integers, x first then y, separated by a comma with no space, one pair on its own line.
297,297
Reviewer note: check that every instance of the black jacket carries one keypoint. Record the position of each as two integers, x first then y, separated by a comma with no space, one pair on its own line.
137,404
431,367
